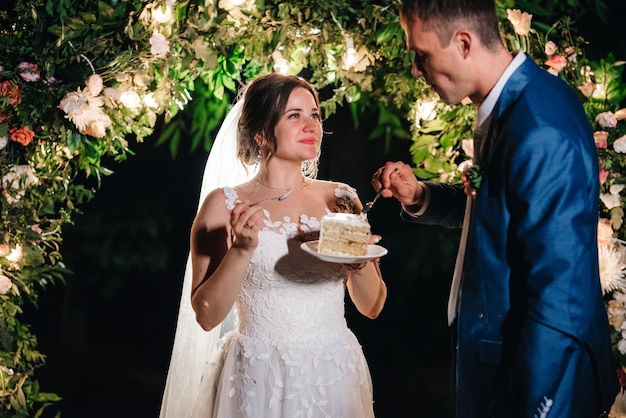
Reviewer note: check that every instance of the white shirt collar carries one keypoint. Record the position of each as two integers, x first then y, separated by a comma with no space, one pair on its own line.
486,107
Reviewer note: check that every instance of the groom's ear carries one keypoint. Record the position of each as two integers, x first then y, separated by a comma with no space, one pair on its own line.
463,41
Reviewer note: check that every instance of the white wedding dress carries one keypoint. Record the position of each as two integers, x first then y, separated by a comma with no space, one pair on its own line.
291,354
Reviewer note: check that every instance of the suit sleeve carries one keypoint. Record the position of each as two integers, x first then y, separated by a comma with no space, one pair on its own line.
552,195
445,208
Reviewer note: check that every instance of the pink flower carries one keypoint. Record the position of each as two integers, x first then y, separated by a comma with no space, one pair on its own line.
556,62
550,48
606,120
28,71
604,174
601,139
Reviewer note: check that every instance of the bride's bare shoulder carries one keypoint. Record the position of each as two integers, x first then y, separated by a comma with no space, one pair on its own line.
217,204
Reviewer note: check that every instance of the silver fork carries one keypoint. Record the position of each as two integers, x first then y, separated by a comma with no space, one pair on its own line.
368,205
279,198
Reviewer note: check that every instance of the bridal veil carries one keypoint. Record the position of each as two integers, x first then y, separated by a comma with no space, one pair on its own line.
192,345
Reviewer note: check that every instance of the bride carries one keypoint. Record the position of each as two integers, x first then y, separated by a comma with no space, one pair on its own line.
290,352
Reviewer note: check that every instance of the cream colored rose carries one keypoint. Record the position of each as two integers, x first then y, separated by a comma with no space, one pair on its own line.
5,284
94,84
616,312
521,21
16,181
605,232
620,145
621,114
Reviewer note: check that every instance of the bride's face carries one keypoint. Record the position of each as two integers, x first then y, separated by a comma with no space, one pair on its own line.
299,130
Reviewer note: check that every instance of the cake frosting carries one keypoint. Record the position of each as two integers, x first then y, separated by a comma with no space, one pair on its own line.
344,234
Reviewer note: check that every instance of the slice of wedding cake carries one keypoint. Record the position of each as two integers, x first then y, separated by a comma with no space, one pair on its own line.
344,234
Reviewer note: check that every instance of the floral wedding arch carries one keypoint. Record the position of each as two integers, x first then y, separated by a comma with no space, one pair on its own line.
81,82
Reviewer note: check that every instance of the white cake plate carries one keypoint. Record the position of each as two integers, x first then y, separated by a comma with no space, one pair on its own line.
373,252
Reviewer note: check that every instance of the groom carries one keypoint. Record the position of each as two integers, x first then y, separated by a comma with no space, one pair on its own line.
532,330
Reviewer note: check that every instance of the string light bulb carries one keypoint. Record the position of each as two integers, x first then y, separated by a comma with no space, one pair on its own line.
162,14
351,57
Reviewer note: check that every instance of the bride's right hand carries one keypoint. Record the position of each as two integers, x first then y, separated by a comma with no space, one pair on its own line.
246,222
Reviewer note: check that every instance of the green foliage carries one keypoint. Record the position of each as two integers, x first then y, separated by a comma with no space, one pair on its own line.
83,81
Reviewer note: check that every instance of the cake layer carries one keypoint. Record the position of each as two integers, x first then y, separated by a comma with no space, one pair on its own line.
344,234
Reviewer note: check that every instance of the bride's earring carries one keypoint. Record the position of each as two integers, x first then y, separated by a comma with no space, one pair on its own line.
259,155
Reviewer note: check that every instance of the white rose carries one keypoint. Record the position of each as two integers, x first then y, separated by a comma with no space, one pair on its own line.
607,120
620,145
468,147
610,200
16,181
159,46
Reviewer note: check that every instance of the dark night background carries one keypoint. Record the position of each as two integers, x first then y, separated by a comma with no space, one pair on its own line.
108,331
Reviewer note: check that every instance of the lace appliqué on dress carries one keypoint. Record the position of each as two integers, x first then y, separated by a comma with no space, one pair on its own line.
292,354
346,196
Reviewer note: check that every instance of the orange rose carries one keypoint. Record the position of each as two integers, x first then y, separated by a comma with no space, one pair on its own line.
11,90
22,135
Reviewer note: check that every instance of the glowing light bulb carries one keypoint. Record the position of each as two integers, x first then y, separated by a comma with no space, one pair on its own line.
351,57
15,255
162,15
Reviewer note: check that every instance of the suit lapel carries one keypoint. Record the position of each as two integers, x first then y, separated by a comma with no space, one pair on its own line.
510,93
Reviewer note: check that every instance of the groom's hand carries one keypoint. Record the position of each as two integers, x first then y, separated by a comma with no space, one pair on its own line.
397,180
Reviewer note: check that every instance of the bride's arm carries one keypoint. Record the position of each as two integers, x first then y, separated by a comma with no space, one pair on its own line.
367,289
219,263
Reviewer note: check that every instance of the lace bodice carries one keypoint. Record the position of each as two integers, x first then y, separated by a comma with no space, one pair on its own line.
292,354
288,295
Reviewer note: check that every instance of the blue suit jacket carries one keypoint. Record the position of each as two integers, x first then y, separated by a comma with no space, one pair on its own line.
532,329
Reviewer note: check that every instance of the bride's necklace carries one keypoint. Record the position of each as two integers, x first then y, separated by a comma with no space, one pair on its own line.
304,183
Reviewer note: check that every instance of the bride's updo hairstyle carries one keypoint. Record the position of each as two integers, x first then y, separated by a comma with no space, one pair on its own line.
265,100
